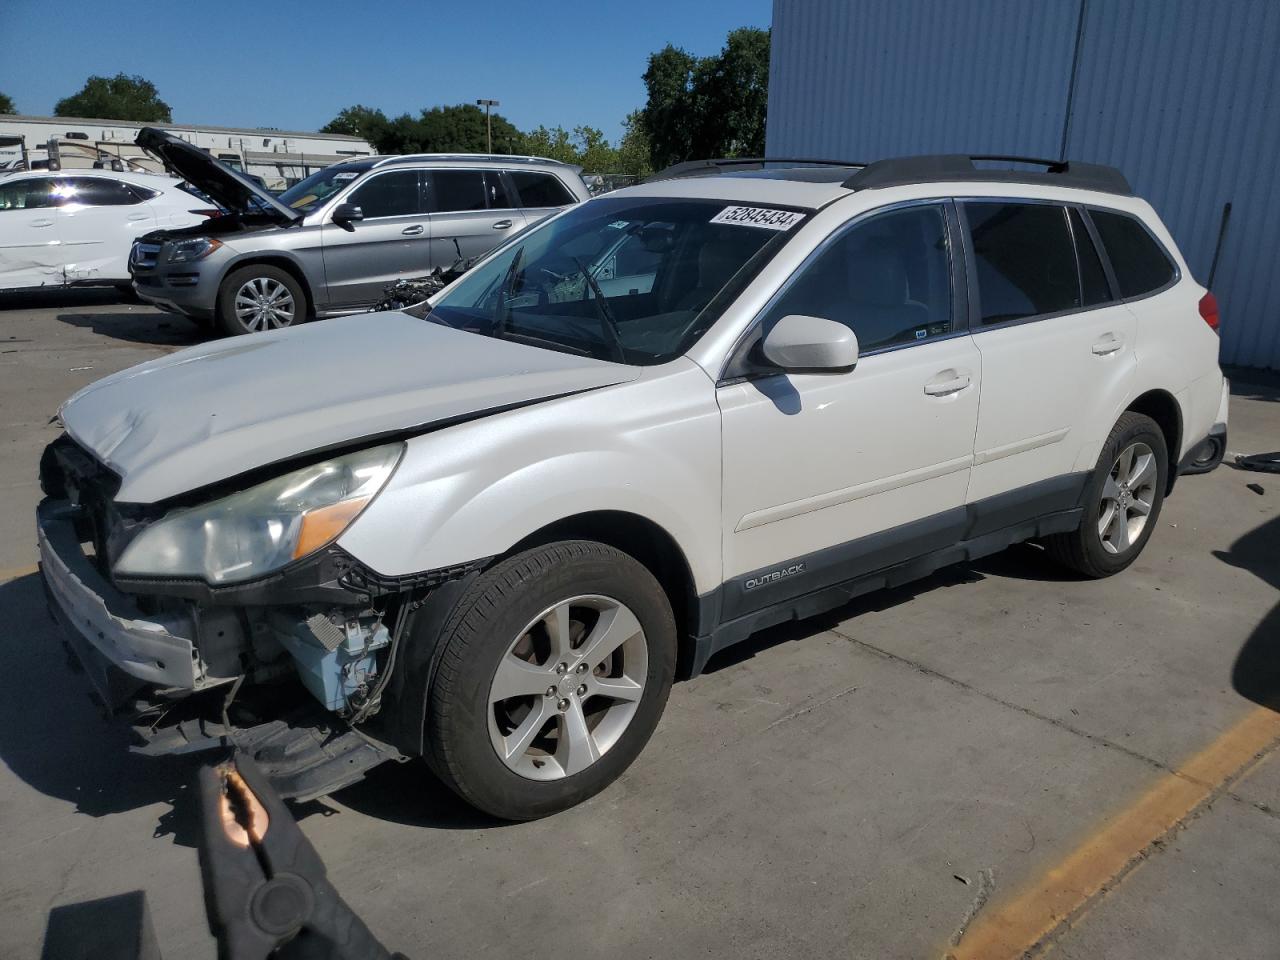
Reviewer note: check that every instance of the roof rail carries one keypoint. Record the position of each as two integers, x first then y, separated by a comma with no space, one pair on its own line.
943,167
382,161
704,168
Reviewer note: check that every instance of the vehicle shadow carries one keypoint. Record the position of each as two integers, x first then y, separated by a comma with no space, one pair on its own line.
55,740
142,325
56,297
1255,675
406,793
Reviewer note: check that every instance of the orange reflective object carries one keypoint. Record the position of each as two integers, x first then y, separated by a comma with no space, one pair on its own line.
322,525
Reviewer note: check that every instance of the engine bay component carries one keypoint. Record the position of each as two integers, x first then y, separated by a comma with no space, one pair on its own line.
335,660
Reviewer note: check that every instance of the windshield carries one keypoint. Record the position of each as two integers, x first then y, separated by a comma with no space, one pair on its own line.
308,194
634,280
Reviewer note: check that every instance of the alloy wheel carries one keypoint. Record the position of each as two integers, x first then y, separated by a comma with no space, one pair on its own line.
1128,494
264,303
567,687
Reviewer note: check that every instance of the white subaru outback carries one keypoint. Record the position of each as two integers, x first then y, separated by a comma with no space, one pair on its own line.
490,530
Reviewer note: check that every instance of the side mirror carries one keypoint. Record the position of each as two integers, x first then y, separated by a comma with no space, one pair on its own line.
345,214
815,344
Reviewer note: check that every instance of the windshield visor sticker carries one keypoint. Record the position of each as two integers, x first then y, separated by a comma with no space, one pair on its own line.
345,175
759,217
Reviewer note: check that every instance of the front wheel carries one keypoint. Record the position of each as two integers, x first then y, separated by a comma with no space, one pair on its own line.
259,297
1122,500
556,667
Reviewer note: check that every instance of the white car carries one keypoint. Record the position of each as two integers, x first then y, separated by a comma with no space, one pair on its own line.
491,529
76,227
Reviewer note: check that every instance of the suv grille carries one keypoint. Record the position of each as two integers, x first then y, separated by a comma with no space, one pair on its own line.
143,256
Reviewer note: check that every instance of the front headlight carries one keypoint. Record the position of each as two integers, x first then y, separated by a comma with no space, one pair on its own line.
197,248
258,530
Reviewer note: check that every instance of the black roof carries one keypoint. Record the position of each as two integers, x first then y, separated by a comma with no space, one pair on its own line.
907,170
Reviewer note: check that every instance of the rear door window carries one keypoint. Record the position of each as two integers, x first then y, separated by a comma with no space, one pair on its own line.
451,191
1024,259
393,194
97,192
1140,264
541,189
499,196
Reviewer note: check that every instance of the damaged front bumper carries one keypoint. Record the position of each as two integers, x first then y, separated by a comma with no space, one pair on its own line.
121,649
147,669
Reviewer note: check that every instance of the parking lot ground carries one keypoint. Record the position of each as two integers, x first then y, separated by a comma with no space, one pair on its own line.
998,759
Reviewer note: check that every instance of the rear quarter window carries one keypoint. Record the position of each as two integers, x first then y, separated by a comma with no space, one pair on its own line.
541,189
1140,264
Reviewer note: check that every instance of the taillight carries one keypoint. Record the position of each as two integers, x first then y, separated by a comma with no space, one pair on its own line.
1209,310
210,213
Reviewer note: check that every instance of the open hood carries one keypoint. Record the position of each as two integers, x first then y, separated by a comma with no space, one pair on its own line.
226,186
217,410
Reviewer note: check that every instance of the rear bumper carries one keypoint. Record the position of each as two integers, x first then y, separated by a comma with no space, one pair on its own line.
121,649
1207,453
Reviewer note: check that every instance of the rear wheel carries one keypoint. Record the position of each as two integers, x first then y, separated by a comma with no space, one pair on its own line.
259,297
1122,500
557,666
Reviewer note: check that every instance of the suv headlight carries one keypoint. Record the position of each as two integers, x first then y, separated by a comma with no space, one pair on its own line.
256,531
197,248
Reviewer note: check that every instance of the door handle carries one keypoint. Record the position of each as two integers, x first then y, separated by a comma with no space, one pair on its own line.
412,231
945,388
502,225
1107,345
41,223
139,216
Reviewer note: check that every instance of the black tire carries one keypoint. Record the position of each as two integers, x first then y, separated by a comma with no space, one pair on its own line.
231,324
477,636
1082,549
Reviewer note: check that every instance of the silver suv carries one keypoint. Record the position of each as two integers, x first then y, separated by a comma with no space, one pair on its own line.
333,242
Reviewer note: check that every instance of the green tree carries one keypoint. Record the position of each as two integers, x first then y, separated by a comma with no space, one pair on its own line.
461,129
554,144
6,104
595,155
359,121
633,148
668,112
711,106
116,98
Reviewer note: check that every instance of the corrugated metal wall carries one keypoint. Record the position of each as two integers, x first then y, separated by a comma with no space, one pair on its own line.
1183,95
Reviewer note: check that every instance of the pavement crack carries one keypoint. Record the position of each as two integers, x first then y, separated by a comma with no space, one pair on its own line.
1055,721
810,708
986,886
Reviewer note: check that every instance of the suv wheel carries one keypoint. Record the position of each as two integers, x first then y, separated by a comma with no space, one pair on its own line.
556,666
1122,501
259,297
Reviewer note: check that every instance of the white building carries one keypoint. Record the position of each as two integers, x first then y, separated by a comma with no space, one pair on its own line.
279,157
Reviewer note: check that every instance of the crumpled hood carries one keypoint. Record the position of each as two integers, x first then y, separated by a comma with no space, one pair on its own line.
216,410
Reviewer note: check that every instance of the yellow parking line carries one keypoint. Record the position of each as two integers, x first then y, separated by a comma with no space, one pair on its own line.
1064,893
13,573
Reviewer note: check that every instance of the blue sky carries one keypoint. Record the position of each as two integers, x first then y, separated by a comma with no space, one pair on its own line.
293,65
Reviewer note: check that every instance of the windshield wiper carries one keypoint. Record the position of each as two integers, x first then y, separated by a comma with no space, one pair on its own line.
607,323
502,311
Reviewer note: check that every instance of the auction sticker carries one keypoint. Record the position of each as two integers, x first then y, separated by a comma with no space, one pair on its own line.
759,217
